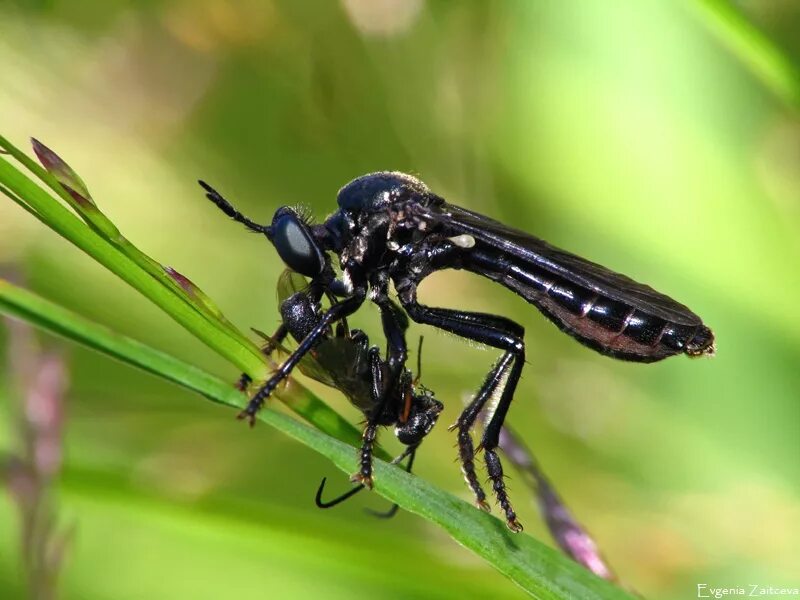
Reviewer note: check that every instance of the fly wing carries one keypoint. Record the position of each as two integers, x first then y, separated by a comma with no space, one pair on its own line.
525,248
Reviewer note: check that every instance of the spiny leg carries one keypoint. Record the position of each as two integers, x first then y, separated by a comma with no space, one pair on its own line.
497,332
490,442
364,474
382,386
394,324
465,422
272,343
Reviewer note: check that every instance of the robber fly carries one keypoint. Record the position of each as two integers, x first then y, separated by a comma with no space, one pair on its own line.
344,359
390,227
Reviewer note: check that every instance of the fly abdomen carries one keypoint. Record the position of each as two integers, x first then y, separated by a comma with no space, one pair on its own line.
607,325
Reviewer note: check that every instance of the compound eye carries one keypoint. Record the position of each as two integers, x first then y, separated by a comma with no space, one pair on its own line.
295,244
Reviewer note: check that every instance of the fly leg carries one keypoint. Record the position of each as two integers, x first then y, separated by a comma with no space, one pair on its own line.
394,324
465,422
272,342
411,452
364,474
497,332
490,441
383,386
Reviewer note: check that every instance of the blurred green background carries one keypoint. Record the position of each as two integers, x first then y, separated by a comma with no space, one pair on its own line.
623,131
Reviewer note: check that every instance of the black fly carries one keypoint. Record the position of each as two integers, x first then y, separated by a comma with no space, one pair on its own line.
391,228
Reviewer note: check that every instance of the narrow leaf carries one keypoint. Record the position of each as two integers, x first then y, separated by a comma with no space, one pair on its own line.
55,319
219,336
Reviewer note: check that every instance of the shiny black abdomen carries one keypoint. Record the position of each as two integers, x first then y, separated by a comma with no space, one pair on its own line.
609,326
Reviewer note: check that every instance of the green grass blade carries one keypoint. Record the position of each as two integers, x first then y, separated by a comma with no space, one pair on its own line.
77,197
67,184
51,317
536,568
60,219
760,54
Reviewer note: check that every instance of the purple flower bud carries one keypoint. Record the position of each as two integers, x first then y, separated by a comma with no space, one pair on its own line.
568,533
195,293
63,173
188,286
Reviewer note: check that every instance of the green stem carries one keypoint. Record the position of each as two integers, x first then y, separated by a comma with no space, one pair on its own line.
104,227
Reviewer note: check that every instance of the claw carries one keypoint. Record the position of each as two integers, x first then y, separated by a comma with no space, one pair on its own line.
250,417
483,505
243,382
514,525
360,478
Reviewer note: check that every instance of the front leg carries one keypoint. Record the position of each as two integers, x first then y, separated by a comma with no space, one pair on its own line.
383,385
272,343
378,391
394,324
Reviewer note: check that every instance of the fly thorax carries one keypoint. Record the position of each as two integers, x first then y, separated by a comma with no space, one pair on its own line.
368,247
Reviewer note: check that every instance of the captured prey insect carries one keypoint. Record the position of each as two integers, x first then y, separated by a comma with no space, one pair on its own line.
391,228
421,395
343,359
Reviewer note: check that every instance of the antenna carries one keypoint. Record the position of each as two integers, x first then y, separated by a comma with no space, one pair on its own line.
234,214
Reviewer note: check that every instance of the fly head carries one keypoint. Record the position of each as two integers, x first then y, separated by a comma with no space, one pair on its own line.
294,239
